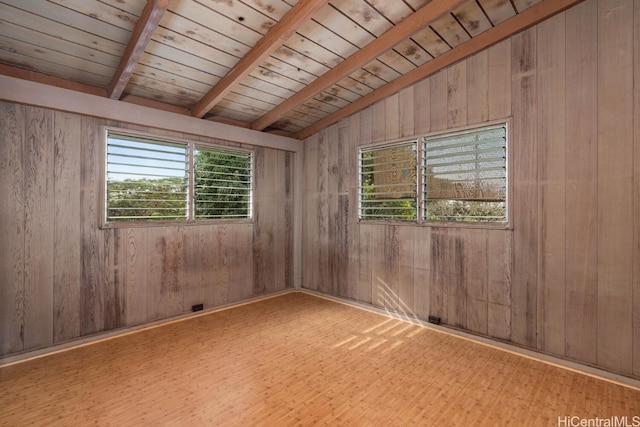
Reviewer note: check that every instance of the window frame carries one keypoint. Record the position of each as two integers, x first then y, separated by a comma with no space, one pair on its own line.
382,146
420,164
191,146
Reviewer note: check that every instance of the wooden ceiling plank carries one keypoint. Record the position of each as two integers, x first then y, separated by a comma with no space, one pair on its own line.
73,18
159,93
411,51
498,11
535,14
430,42
201,33
170,67
386,41
146,26
222,24
26,55
59,46
56,29
276,36
108,13
171,53
302,62
472,18
449,29
523,5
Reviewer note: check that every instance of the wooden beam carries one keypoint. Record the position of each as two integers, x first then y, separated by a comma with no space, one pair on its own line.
37,77
146,26
412,24
535,14
276,36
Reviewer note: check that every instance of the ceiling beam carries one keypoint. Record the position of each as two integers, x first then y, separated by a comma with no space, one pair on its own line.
144,29
275,37
409,26
535,14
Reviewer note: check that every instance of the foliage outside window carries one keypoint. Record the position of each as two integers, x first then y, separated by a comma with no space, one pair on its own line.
463,178
222,184
151,180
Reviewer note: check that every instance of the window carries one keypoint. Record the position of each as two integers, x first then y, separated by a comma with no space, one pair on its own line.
151,180
463,178
388,182
222,184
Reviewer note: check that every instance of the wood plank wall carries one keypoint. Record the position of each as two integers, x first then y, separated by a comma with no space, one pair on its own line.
565,279
62,277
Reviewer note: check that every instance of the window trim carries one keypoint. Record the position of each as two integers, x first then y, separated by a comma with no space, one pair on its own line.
506,225
191,145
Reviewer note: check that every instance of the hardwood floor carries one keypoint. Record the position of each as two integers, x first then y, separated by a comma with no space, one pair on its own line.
297,359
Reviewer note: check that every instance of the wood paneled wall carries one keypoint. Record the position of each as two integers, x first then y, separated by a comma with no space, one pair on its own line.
62,277
565,279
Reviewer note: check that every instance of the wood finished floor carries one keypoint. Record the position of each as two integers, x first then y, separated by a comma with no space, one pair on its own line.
297,359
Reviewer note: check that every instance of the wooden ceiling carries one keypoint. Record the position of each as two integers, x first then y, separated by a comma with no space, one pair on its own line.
285,66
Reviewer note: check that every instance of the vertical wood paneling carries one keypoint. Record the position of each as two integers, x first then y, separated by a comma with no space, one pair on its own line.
12,212
406,283
214,263
322,211
551,185
67,256
476,266
279,226
192,281
499,259
378,122
114,269
478,88
349,135
525,221
438,293
241,269
91,304
636,194
390,290
422,106
438,101
366,131
499,80
289,221
392,109
581,161
165,262
136,287
457,95
335,238
264,220
422,271
406,113
365,268
615,168
379,272
310,263
39,210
